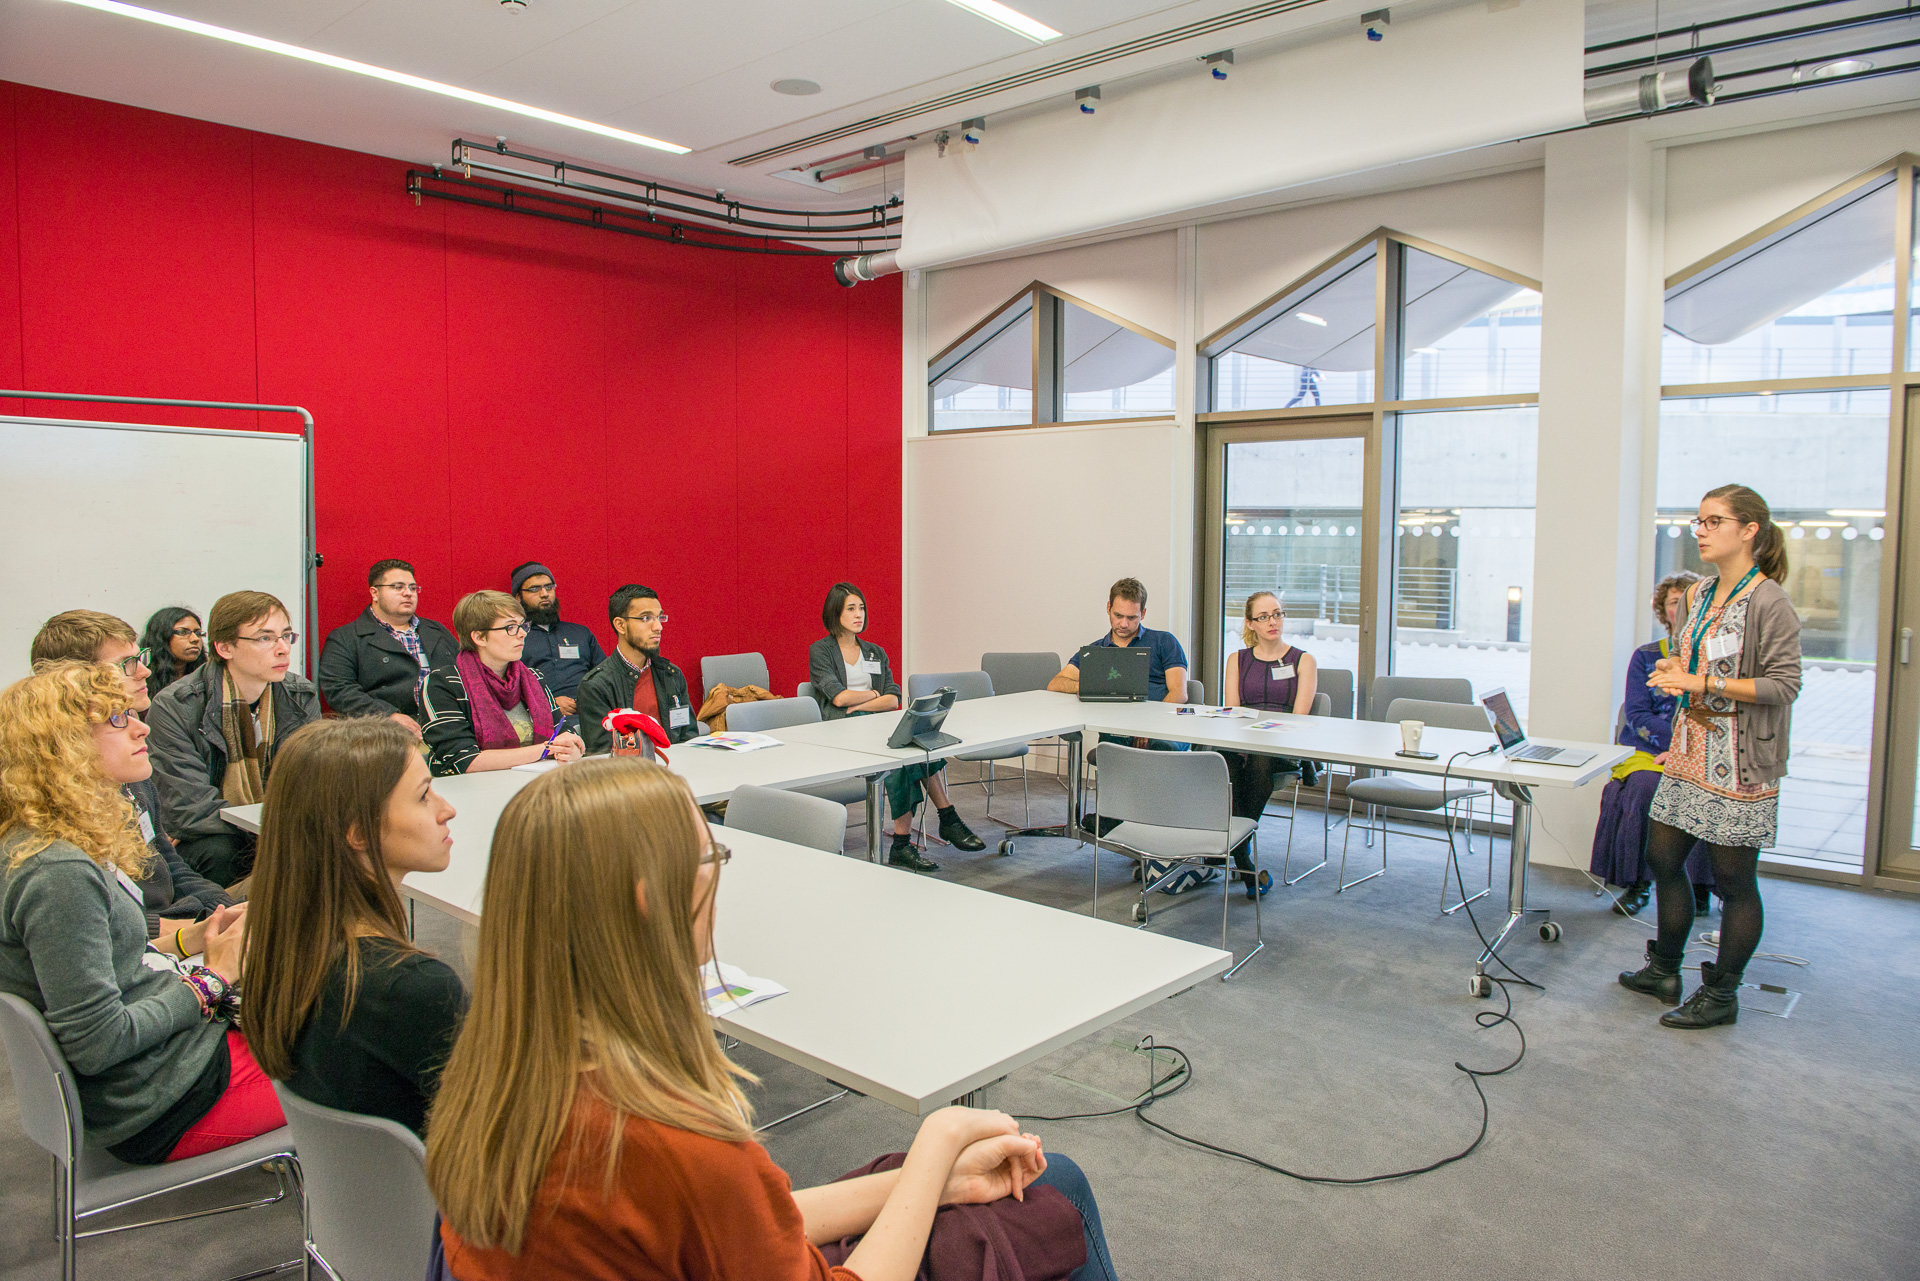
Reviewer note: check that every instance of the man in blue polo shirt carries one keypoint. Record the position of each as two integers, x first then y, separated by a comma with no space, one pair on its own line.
1126,617
561,652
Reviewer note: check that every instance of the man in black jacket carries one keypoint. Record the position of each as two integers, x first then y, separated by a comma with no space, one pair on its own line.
376,664
635,675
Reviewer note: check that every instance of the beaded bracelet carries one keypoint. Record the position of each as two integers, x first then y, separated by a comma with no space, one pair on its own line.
208,988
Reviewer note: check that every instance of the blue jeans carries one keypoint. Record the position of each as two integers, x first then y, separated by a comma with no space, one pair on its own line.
1063,1174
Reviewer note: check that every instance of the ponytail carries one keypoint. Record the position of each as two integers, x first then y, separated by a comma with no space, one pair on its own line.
1770,542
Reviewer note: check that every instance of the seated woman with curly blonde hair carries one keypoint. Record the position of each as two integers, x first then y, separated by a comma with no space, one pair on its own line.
162,1070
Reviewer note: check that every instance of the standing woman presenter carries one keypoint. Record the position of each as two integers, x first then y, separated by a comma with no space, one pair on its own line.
1736,672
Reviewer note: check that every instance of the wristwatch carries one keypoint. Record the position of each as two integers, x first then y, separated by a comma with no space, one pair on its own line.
1720,685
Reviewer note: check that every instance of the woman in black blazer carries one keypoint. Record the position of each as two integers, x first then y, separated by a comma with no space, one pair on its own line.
853,677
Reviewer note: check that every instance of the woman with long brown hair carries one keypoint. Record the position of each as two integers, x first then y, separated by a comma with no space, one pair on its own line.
1735,673
589,1126
162,1070
341,1005
1267,675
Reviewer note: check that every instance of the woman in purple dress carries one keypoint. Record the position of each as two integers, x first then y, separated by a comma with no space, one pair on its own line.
1620,838
1267,675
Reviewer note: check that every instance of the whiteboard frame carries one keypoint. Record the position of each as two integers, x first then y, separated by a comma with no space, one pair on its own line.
309,558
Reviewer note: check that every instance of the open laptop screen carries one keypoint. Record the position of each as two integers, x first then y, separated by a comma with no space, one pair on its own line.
1505,723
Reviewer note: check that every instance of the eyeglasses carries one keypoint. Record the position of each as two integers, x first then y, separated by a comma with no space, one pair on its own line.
1707,523
511,629
128,664
188,633
645,618
1271,616
717,854
405,589
121,719
267,640
539,589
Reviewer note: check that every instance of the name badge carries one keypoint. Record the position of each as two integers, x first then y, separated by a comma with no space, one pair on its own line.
871,666
1725,645
126,883
146,827
569,651
679,717
1282,671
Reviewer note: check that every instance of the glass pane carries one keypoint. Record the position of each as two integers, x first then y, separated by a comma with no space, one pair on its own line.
1820,461
1813,300
1293,528
1313,347
991,384
1913,309
1109,371
1466,333
1463,577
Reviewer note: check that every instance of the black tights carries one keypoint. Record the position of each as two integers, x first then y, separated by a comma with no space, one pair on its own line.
1736,876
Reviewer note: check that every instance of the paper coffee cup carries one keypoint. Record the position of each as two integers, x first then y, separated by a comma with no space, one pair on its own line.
1410,732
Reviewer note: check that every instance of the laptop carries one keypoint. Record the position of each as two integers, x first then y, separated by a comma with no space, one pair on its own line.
1109,674
1513,739
920,724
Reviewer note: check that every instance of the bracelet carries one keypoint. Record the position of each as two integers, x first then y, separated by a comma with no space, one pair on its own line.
178,946
208,988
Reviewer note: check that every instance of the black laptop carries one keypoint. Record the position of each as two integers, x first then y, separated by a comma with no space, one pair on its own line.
920,724
1109,674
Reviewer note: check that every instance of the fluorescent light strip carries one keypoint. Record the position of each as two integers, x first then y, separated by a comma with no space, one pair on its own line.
1012,19
376,73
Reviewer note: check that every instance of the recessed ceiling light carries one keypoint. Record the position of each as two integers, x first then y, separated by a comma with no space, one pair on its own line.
1309,318
1012,19
376,73
796,88
1843,67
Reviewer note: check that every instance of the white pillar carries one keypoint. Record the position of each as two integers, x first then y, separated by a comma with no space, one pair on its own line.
1599,406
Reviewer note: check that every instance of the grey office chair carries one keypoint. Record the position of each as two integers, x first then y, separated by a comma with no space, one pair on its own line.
1196,691
735,670
969,685
1173,807
1407,793
803,690
806,820
366,1210
1431,689
1322,706
1017,673
779,713
89,1181
1337,684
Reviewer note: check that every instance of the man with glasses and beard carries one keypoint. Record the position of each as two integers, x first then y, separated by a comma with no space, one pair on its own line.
636,675
562,652
377,664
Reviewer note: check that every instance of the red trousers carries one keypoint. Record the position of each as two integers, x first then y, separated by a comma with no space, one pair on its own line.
247,1110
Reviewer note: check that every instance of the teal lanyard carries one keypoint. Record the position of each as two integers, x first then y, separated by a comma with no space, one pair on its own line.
1706,620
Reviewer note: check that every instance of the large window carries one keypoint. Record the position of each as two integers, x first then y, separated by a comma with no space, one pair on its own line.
1046,357
1312,346
1465,332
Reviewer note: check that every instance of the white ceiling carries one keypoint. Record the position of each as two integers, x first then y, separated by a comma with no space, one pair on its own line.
695,74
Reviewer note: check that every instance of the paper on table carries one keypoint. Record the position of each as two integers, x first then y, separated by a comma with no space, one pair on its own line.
728,988
538,767
1196,710
740,741
1269,725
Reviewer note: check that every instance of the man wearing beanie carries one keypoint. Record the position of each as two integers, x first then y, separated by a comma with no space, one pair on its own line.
561,652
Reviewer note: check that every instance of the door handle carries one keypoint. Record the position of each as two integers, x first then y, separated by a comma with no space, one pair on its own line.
1906,645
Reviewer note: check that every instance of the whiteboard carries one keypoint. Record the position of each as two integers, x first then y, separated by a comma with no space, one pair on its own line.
126,518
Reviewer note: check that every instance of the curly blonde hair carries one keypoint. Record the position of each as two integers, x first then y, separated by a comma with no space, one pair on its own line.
52,785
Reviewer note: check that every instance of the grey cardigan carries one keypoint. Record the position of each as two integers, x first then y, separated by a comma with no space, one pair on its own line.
827,670
1770,658
71,938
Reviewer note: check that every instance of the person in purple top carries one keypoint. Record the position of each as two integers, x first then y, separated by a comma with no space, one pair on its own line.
1267,675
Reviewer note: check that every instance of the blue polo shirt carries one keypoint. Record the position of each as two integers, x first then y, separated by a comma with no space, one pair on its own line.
563,671
1165,653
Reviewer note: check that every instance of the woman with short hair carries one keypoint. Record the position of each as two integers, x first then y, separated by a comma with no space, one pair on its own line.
175,644
589,1126
490,710
156,1053
341,1006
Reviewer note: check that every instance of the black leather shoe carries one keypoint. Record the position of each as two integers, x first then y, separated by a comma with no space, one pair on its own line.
1658,977
904,855
955,832
1632,899
1715,1001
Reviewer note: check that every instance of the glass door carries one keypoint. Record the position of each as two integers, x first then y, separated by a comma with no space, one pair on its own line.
1288,513
1900,829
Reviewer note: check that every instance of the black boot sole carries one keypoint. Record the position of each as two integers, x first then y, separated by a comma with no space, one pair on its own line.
1667,990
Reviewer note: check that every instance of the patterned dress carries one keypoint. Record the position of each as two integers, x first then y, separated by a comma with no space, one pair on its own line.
1701,792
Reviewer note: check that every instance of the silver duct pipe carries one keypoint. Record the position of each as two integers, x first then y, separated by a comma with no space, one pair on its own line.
851,271
1692,85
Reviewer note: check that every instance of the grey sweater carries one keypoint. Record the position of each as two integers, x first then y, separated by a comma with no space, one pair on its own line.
71,938
1770,658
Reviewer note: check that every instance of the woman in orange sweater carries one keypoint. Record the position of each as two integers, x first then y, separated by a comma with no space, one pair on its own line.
589,1127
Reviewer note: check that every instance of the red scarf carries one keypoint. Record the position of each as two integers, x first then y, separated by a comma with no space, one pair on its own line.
489,697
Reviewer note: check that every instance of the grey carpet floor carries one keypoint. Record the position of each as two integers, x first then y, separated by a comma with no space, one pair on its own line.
1778,1148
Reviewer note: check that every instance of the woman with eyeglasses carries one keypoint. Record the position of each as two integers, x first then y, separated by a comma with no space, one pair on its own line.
161,1068
175,645
1735,674
490,710
589,1126
1267,675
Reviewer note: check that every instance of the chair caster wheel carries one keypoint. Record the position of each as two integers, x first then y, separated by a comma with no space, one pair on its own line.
1480,985
1006,849
1550,931
1139,913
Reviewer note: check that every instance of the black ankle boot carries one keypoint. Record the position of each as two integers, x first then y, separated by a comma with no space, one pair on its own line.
955,832
904,855
1660,977
1632,899
1715,1001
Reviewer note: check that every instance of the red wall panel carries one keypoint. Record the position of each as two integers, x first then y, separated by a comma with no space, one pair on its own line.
486,389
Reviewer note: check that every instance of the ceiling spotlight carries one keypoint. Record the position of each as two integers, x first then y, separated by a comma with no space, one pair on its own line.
1375,23
1218,63
514,6
1842,67
973,132
1088,98
1691,85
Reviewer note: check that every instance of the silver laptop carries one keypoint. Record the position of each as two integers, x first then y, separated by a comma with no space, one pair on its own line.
1513,739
